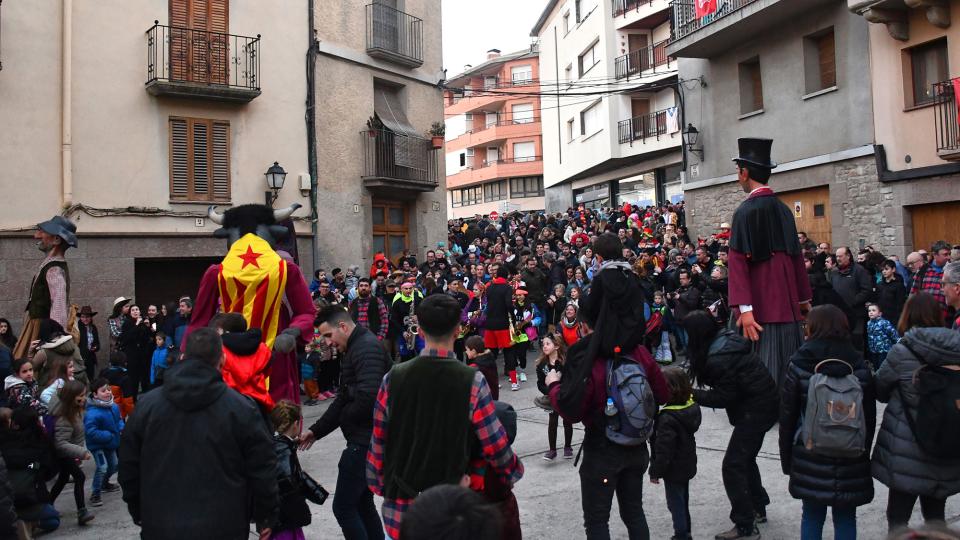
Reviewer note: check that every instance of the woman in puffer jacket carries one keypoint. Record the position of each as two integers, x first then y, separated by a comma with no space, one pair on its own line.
821,481
898,461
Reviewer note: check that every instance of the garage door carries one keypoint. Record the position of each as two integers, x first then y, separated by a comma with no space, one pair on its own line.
932,222
811,209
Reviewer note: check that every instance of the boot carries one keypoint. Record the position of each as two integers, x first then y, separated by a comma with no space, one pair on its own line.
84,516
737,533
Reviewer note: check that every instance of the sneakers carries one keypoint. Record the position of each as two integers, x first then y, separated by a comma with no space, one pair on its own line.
514,386
522,375
84,516
737,534
95,501
330,394
567,452
550,455
110,488
760,517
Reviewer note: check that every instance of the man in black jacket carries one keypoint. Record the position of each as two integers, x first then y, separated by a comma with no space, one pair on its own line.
855,286
195,454
364,364
89,341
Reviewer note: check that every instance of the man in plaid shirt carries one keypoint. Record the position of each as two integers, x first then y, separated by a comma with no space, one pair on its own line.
361,307
928,279
395,473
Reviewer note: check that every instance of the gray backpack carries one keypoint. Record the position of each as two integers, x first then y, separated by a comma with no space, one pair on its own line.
631,407
833,424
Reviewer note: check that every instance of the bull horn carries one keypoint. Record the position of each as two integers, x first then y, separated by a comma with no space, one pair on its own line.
214,216
284,213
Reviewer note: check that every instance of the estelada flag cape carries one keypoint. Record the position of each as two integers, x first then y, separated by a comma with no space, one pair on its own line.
252,281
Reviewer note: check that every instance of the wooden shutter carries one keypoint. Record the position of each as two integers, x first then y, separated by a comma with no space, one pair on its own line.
179,159
179,40
828,64
198,51
199,159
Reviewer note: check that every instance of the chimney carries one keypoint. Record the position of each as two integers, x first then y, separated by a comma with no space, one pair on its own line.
467,67
493,53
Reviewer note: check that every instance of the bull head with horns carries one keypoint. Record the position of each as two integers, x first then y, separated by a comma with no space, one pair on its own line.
257,219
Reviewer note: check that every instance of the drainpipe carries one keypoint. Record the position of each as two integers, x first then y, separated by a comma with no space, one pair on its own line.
66,80
312,133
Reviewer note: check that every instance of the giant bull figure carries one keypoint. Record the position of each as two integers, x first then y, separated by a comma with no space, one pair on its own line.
267,290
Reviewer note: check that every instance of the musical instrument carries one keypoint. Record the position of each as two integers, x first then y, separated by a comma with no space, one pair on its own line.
410,323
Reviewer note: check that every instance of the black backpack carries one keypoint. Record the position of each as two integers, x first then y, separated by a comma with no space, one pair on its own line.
936,430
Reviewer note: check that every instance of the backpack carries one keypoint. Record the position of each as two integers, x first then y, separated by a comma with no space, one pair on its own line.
938,388
833,424
631,422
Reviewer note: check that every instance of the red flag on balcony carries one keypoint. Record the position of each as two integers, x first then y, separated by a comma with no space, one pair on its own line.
705,7
956,94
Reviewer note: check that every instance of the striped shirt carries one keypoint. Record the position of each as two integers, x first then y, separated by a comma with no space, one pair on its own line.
493,442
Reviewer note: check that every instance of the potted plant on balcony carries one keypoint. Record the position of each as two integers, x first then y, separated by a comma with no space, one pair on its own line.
437,131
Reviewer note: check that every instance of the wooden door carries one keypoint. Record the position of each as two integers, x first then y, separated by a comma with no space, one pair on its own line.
639,110
199,44
932,222
391,229
637,47
811,210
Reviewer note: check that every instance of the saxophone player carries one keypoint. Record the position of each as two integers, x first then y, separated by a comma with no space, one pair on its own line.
403,319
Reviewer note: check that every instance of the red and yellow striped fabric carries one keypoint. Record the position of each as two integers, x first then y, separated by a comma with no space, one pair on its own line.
252,282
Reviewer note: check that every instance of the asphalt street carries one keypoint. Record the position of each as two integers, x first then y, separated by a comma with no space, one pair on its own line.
549,493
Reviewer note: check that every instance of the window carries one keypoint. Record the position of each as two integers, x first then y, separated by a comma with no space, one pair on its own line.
456,198
527,186
570,130
751,86
522,113
590,120
584,8
588,59
391,228
199,159
576,9
566,23
819,210
928,65
495,191
468,196
521,74
489,82
819,61
524,151
568,73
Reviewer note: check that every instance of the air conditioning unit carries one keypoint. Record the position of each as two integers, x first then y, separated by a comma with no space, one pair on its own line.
469,152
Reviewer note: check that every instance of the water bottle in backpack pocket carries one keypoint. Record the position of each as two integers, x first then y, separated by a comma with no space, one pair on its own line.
833,422
631,407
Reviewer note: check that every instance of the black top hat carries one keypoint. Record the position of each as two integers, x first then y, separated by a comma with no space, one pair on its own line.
755,152
62,227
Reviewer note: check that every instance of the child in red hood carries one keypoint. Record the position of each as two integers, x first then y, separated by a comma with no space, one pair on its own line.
246,358
380,262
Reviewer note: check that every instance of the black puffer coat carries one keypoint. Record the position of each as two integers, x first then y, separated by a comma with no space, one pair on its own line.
673,448
898,461
825,480
738,382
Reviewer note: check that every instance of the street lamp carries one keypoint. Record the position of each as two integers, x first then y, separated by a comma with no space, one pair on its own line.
275,177
690,137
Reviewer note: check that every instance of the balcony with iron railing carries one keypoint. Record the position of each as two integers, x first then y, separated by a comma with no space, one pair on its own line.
399,162
500,130
643,128
189,63
486,170
648,60
394,36
684,20
946,121
640,14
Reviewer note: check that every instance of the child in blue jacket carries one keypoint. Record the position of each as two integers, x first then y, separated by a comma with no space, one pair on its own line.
158,363
103,426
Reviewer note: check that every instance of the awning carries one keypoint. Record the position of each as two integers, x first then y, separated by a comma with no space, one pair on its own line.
388,110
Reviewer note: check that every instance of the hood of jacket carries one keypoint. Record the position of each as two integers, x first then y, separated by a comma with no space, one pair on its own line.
11,381
242,343
94,402
814,351
935,346
192,384
729,342
66,348
688,415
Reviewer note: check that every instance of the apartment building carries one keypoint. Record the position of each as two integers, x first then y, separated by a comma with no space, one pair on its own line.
132,118
378,93
915,62
610,105
494,149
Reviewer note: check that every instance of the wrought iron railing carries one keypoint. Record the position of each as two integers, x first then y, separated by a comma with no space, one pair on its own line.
505,122
505,161
394,34
198,56
622,6
636,62
684,20
641,128
946,119
393,156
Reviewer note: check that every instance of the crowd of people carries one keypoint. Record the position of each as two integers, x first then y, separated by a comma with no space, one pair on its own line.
632,327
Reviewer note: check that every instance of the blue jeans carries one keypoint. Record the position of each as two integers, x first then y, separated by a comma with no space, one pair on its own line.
678,502
353,501
814,514
106,461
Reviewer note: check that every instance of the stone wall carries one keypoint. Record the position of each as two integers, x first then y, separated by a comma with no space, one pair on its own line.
708,207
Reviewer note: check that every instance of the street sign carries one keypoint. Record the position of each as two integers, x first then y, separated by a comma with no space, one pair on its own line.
494,215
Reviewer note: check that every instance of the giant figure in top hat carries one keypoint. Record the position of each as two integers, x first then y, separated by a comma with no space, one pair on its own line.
768,283
268,290
51,284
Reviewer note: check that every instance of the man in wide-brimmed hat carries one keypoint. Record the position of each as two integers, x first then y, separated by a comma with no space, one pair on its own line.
770,294
89,340
50,286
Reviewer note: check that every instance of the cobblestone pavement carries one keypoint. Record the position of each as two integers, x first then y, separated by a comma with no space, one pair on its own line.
549,493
